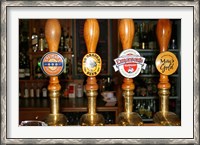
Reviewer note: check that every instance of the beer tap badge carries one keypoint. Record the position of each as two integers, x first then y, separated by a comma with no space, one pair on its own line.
166,63
52,64
91,64
129,63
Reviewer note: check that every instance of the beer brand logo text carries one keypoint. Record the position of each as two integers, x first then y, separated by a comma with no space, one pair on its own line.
129,63
91,64
166,63
52,64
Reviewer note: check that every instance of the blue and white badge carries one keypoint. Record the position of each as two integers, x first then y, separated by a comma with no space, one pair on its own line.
52,64
129,63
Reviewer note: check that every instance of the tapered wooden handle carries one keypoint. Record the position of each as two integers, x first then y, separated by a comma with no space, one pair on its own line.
163,32
91,37
91,34
52,34
126,32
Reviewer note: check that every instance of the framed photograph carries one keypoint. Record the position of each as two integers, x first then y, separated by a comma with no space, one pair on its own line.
12,11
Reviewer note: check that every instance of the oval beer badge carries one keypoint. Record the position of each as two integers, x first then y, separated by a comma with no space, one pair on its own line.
91,64
129,63
166,63
52,64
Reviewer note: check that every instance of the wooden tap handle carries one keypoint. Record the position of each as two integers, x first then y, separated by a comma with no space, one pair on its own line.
163,32
91,34
126,32
52,34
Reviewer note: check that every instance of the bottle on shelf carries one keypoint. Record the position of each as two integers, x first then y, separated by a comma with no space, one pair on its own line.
34,40
26,91
136,41
41,41
38,71
21,66
68,41
173,43
79,90
61,44
32,94
143,35
44,92
38,90
69,70
151,37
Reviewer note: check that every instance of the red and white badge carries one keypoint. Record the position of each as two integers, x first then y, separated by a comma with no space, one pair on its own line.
129,63
52,63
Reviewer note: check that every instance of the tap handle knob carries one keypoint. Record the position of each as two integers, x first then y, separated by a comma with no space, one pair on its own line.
126,32
163,32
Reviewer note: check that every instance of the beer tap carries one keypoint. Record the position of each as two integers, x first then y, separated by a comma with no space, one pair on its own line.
128,117
91,66
166,64
52,64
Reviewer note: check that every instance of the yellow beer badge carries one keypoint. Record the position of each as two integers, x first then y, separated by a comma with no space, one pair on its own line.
91,64
166,63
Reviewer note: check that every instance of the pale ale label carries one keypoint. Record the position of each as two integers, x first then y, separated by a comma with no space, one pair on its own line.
166,63
91,64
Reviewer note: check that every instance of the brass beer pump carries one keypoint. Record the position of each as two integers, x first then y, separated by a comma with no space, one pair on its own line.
52,34
164,117
91,66
128,118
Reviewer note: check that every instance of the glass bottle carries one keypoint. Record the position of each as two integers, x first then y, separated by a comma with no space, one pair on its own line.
38,71
41,40
34,40
143,36
173,45
38,90
32,91
44,92
151,37
26,91
136,44
61,45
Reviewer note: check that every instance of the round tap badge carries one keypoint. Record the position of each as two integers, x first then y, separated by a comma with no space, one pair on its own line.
52,64
91,64
166,63
129,63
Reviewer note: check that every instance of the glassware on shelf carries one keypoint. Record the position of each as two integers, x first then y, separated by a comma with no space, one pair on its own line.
32,92
26,91
34,40
38,91
41,45
44,92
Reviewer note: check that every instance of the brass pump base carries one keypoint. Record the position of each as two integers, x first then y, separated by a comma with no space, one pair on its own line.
92,120
56,120
166,119
129,119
